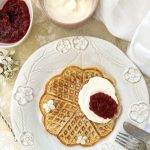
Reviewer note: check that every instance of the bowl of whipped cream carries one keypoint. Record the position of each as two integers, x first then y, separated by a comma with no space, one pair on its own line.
69,13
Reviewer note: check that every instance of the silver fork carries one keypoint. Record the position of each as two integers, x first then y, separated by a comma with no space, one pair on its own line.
129,142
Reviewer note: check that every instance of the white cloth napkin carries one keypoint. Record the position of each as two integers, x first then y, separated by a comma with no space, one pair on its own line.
139,49
147,128
122,17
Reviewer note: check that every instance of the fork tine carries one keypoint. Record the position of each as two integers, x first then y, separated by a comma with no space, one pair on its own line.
126,135
128,138
120,140
124,144
123,138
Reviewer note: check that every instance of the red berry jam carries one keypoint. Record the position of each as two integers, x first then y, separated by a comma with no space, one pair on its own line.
103,105
14,21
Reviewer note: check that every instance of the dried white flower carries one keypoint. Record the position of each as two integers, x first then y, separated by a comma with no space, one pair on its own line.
8,59
81,140
3,52
7,65
49,106
12,52
6,73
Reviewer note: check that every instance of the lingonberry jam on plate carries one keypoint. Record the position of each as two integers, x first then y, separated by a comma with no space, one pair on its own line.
14,21
103,105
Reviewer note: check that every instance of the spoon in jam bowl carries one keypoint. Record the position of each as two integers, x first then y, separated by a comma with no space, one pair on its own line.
16,17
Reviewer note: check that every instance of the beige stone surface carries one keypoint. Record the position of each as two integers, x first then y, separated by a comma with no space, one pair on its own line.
43,32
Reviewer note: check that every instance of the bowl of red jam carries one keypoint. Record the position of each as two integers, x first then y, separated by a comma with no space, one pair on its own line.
16,17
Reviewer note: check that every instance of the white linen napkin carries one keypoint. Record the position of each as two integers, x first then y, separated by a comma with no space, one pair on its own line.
122,17
139,49
147,128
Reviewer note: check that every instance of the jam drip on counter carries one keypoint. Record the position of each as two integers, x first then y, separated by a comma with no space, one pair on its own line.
14,21
103,105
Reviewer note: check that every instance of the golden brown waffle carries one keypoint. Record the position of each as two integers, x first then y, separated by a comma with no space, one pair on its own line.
66,121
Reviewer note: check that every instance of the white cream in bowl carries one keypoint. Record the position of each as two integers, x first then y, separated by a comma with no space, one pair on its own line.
70,11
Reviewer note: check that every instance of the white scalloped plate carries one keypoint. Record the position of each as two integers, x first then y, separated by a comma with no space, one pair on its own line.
50,60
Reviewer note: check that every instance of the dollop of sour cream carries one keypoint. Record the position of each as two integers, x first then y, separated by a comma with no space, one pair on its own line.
68,11
95,85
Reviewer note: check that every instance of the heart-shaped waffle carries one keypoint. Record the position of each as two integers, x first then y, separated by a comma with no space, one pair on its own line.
62,114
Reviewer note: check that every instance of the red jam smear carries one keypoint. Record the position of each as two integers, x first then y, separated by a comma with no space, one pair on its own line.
14,21
103,105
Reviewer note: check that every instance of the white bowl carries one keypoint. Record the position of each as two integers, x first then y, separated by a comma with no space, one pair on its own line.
9,45
72,24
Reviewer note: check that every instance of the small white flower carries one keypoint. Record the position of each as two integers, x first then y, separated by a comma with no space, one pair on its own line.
12,52
3,52
9,68
4,57
132,75
26,139
1,70
81,140
2,60
80,43
5,60
6,73
7,65
23,95
8,59
49,106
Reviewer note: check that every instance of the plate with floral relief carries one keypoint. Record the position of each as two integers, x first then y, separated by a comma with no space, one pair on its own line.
50,60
